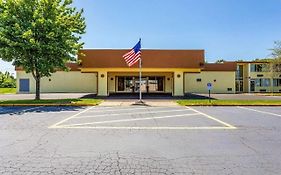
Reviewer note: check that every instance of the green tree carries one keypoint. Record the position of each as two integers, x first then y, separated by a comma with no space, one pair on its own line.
276,51
40,35
7,80
275,62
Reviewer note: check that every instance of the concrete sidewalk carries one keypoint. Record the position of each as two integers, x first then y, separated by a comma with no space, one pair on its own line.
131,102
244,96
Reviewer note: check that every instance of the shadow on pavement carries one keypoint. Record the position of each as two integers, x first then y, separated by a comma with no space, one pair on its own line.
164,96
38,109
193,96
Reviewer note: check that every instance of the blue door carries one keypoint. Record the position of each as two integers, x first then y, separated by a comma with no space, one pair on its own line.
24,85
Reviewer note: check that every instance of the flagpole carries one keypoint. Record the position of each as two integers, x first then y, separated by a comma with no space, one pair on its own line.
140,81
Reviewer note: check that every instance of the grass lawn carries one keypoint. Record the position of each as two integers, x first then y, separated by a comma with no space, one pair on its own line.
8,90
229,102
52,102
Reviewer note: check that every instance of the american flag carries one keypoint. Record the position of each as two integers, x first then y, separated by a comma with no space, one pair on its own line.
133,55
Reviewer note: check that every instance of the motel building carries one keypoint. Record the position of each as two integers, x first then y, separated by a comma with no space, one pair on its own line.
173,72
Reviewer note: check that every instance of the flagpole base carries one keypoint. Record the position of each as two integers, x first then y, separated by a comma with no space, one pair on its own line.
140,102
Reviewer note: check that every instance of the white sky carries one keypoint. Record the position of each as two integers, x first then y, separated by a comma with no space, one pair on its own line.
7,66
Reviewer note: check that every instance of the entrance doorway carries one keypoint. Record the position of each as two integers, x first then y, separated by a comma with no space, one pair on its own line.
252,86
239,86
132,84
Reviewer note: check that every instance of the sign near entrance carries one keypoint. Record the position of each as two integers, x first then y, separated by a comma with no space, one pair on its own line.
209,86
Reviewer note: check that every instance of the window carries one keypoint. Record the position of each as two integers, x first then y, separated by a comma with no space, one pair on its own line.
277,82
121,84
262,82
239,72
229,89
198,79
259,68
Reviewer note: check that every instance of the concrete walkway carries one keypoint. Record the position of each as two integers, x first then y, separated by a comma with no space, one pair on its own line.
244,96
132,102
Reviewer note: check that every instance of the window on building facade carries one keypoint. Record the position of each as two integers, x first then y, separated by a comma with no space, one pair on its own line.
259,67
262,82
239,72
277,82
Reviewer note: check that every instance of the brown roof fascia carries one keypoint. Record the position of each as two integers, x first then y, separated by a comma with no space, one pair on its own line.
112,58
226,66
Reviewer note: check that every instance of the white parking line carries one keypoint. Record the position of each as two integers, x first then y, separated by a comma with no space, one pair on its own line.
264,112
213,118
132,113
129,120
92,124
149,128
32,108
58,123
120,109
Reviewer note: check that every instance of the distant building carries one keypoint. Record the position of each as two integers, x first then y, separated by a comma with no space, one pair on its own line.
256,76
176,72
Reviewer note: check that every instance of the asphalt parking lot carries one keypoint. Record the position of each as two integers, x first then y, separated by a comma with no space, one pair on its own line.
140,140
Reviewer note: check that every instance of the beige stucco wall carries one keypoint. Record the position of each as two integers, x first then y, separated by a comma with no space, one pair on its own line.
73,81
178,83
221,80
102,83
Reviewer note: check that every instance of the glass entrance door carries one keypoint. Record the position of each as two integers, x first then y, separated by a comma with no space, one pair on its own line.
239,86
143,85
148,84
252,86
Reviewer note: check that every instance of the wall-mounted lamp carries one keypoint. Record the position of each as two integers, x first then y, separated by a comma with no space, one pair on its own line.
178,75
102,75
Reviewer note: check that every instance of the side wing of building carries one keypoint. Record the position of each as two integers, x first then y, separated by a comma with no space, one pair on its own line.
60,81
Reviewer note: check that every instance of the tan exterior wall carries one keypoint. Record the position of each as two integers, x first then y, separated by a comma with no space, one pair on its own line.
178,83
73,81
221,81
102,83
